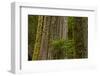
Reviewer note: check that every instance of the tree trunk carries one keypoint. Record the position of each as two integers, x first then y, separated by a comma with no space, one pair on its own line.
65,28
85,36
44,42
80,36
38,38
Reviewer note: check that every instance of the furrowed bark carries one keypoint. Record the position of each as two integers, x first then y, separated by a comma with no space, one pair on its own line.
38,39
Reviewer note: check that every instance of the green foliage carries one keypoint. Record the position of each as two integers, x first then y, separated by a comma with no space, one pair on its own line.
70,44
63,49
58,49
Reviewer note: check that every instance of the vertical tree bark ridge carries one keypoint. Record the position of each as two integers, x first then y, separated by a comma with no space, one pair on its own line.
58,27
44,42
60,24
49,38
65,28
38,39
51,33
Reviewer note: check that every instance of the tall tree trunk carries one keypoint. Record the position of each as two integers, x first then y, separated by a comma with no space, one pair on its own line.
51,35
44,42
80,36
38,38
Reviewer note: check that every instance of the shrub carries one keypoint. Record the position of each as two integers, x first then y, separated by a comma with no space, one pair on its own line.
62,49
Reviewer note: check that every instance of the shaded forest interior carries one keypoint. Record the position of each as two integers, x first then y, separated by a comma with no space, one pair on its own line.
57,37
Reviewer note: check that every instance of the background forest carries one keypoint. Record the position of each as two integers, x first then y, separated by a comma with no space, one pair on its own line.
57,37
